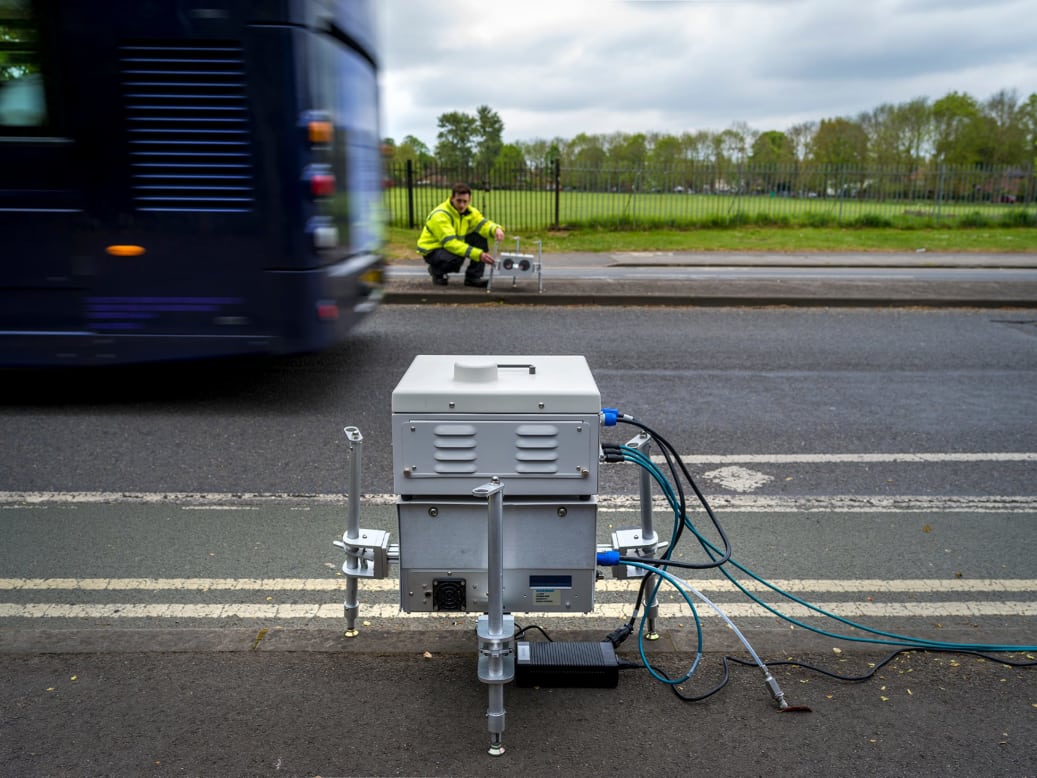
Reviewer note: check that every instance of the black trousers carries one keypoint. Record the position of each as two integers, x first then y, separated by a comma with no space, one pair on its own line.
440,261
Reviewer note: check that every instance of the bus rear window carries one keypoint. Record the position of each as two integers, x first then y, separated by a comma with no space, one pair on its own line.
22,102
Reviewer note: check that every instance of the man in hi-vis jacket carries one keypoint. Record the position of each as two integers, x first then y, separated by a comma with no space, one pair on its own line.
455,231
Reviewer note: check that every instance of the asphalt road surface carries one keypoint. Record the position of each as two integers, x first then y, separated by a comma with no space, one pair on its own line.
172,603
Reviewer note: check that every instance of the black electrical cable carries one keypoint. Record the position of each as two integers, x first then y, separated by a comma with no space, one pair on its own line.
521,632
664,562
700,697
641,590
889,658
821,671
672,461
612,453
837,676
682,500
727,660
618,635
667,448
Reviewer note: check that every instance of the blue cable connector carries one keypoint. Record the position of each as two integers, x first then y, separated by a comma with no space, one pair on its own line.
608,558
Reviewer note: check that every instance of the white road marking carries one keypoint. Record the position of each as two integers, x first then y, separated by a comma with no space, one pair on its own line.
871,598
737,478
618,611
883,590
839,504
606,503
718,585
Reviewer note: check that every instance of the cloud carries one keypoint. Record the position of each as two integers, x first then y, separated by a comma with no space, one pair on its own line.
554,68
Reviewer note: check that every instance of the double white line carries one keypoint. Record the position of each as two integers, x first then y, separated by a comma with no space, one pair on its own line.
861,599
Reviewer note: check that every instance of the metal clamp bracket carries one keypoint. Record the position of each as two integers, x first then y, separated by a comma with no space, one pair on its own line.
370,553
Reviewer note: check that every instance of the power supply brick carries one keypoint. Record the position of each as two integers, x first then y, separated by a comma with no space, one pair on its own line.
584,665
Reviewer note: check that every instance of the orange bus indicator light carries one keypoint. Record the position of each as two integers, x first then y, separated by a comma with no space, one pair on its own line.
125,250
319,132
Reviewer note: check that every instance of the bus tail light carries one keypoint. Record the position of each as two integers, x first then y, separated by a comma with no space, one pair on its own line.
322,181
327,310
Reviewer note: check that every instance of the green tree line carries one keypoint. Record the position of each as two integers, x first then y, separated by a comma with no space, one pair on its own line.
956,130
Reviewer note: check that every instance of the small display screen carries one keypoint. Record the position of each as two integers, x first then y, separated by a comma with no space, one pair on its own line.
550,582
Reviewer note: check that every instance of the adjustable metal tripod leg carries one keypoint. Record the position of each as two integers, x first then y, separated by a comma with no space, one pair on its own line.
496,631
351,604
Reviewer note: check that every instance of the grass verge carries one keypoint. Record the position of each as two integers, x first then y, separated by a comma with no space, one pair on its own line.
980,240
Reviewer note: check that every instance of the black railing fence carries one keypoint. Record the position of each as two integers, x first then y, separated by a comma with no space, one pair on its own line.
557,196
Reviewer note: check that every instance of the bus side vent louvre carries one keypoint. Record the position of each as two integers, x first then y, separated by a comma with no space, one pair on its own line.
188,127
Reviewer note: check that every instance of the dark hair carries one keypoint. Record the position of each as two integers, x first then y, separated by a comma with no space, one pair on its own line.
461,189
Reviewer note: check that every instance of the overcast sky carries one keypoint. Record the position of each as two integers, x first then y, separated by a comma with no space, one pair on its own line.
556,68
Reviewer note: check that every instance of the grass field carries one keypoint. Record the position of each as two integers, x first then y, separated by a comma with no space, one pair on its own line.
590,208
534,209
772,239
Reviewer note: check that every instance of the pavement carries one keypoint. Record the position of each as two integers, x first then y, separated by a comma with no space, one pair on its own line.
335,712
920,278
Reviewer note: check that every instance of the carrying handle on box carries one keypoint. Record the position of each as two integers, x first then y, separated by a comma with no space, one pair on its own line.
529,366
476,372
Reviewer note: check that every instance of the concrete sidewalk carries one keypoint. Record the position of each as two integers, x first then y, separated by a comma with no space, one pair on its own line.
743,279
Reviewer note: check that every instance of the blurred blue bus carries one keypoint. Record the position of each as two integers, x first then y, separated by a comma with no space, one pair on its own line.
186,178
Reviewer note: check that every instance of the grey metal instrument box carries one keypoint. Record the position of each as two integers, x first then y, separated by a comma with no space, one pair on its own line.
531,421
549,556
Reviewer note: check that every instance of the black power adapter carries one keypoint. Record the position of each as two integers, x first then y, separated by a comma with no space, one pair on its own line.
584,665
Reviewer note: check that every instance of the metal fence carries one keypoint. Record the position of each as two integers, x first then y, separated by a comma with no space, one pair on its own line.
706,194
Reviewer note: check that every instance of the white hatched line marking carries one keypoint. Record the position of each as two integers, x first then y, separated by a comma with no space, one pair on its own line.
867,585
609,610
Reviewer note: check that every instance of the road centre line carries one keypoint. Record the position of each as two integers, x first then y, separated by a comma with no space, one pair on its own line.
839,504
616,502
615,611
802,585
229,500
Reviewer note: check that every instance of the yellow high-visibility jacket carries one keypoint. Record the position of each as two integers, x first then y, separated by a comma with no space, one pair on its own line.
445,228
